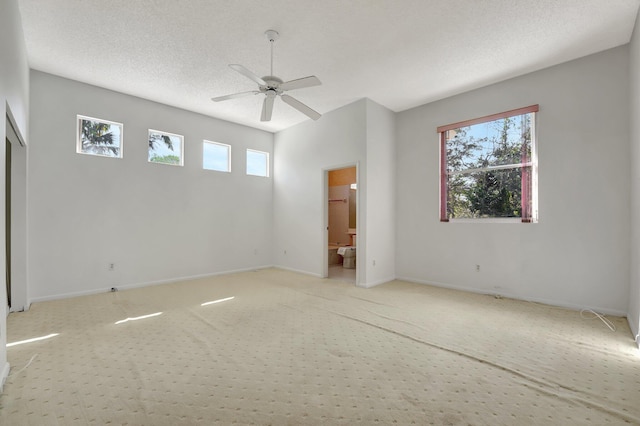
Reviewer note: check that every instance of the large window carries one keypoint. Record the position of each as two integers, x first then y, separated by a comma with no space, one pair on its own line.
488,167
216,156
257,163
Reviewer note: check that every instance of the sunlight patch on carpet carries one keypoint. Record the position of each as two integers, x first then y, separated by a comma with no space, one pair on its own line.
35,339
139,318
218,301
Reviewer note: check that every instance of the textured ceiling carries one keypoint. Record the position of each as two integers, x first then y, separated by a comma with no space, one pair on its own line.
399,53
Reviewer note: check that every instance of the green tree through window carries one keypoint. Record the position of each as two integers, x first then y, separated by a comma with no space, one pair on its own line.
487,167
99,137
165,148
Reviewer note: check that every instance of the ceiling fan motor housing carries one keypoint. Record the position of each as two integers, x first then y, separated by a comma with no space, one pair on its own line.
273,83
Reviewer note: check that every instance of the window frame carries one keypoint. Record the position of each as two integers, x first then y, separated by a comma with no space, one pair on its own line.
204,144
80,118
163,133
529,199
267,161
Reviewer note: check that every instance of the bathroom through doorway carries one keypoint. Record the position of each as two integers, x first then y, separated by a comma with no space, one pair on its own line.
341,219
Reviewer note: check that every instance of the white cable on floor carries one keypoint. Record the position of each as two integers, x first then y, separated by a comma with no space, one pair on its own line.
25,367
604,319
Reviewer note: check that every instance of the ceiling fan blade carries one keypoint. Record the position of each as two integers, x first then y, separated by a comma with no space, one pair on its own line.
300,83
235,95
242,70
267,108
301,107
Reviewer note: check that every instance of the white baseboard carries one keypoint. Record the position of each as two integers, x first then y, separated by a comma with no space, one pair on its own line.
190,278
298,271
20,308
634,331
144,284
5,374
376,283
559,303
363,285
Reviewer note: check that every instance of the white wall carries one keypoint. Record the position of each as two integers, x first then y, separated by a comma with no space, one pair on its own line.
361,133
302,153
380,204
578,253
14,93
155,222
634,112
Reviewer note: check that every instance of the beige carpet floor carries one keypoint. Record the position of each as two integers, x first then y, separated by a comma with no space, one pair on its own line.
290,349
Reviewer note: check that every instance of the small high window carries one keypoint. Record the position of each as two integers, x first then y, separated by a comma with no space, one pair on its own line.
488,167
165,148
99,137
216,156
257,163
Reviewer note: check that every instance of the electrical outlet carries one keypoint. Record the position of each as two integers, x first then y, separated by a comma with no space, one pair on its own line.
285,252
112,267
477,268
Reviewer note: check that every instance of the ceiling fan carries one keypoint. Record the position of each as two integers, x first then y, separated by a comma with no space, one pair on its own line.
273,86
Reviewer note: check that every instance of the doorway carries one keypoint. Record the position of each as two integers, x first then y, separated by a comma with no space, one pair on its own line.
7,217
341,220
15,216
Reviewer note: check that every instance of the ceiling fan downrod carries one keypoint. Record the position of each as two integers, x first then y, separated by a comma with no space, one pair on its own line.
272,36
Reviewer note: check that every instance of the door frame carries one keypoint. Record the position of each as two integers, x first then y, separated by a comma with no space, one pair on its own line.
18,220
325,216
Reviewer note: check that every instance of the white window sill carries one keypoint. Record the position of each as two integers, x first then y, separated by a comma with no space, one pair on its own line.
489,220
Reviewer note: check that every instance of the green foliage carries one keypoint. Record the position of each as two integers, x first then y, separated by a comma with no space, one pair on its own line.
155,138
495,192
97,138
495,195
165,159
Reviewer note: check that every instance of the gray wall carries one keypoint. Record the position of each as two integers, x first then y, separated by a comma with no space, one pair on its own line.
155,222
302,152
14,94
361,133
634,112
381,189
578,253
